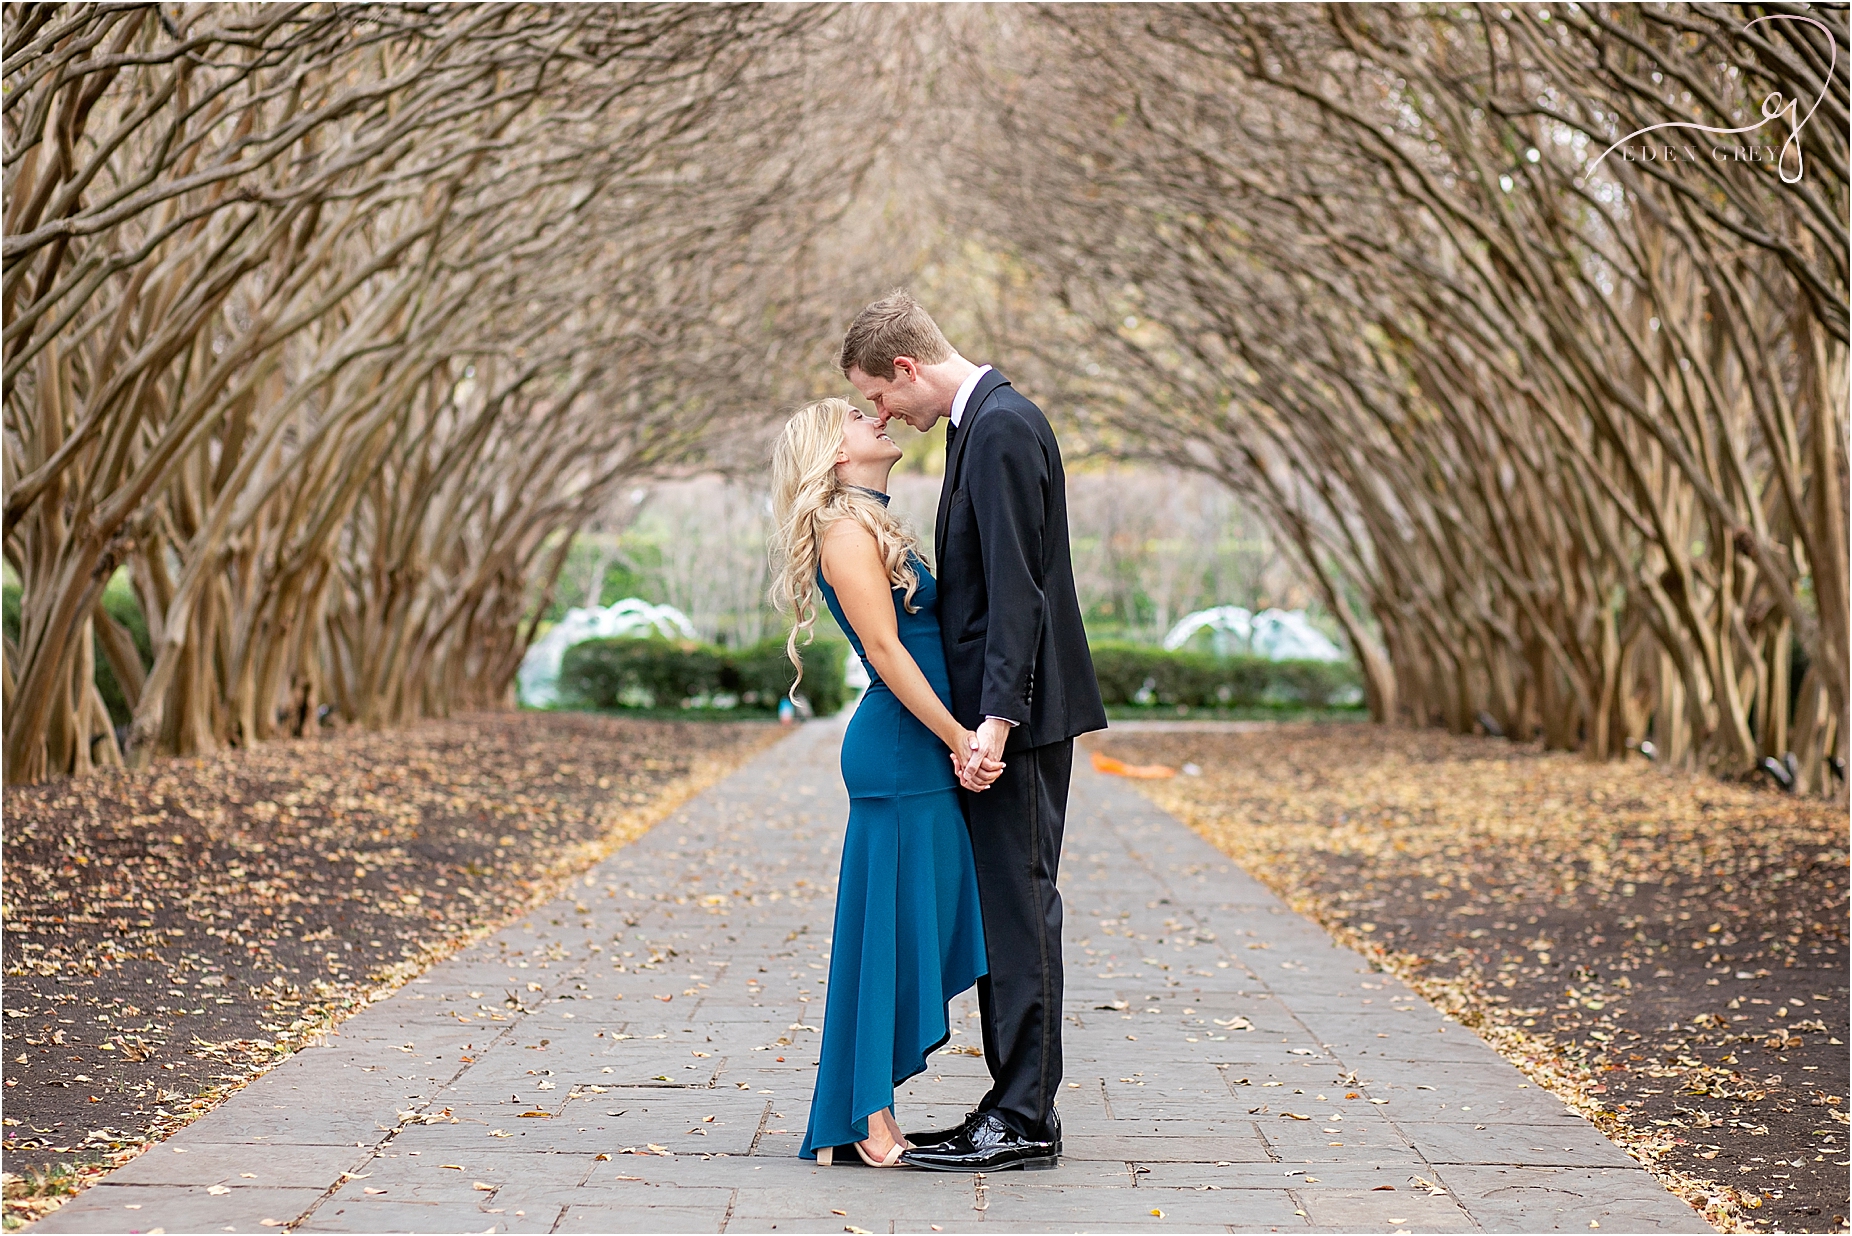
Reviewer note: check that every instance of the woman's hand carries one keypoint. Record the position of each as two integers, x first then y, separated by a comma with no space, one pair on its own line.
960,743
974,771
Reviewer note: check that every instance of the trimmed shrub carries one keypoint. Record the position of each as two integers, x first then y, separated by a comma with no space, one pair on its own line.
1131,674
765,673
663,673
638,673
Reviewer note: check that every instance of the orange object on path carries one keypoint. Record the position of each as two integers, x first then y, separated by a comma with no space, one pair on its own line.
1119,768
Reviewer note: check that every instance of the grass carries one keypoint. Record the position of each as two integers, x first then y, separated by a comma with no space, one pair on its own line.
1257,712
37,1192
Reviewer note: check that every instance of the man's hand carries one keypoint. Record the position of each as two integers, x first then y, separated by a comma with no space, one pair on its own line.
985,761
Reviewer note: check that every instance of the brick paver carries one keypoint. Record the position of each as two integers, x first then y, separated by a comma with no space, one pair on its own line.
638,1055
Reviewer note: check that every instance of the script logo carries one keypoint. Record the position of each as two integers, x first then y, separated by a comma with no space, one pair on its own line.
1774,107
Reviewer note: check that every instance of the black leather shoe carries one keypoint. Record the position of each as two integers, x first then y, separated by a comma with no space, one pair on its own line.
988,1145
943,1136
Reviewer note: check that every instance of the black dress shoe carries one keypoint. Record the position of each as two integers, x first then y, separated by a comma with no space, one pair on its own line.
943,1136
988,1145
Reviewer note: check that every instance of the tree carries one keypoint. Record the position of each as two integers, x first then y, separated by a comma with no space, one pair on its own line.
328,321
1574,431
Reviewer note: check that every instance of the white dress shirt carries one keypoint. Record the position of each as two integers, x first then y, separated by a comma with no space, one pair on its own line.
964,393
958,414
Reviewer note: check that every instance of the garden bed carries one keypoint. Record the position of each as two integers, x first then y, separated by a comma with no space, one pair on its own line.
171,934
1668,952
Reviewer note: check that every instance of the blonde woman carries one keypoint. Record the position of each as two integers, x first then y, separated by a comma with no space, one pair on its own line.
909,935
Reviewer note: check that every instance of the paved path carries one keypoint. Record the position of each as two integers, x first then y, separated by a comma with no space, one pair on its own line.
638,1056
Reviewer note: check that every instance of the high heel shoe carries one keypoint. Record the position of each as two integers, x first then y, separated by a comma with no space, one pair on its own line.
826,1156
890,1159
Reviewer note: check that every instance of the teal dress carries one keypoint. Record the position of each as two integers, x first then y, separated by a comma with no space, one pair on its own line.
909,934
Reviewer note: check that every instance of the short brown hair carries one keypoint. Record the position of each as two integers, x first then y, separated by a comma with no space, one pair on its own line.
893,326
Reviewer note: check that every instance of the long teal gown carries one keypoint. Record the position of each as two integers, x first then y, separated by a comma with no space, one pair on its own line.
909,934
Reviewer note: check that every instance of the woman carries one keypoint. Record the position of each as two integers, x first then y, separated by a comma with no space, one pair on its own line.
908,934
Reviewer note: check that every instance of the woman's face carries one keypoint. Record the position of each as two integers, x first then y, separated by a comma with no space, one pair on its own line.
864,442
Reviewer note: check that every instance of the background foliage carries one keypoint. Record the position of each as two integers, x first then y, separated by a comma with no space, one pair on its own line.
335,325
1138,674
660,673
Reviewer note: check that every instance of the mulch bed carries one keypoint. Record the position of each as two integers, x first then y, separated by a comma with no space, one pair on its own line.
1668,952
171,933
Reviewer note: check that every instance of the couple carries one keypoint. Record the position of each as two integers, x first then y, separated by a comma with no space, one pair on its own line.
957,759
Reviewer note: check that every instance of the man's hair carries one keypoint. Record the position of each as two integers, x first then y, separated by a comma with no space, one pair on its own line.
893,326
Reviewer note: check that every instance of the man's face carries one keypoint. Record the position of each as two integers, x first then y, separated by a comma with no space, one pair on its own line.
905,395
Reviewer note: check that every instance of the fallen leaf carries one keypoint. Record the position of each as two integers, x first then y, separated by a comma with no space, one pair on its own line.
1142,772
307,847
1461,848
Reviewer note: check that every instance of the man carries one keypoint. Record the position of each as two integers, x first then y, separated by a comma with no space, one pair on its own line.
1022,679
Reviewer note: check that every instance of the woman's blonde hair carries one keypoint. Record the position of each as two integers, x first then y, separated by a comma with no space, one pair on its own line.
807,497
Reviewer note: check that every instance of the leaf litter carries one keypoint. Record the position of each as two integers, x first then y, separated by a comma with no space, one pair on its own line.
172,933
1666,952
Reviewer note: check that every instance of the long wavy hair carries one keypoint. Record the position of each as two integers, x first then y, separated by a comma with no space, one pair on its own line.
807,497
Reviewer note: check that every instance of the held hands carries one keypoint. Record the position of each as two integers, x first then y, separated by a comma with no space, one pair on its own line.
977,756
983,762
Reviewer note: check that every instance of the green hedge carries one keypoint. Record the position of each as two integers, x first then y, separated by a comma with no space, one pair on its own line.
1140,674
119,601
662,673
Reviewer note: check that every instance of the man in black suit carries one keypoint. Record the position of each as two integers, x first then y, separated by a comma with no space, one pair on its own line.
1022,679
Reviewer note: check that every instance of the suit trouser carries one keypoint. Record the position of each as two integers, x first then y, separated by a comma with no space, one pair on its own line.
1016,828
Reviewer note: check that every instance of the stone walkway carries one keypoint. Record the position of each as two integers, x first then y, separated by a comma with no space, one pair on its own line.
638,1056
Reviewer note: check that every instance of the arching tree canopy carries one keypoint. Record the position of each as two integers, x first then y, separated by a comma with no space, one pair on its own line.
323,319
332,323
1562,438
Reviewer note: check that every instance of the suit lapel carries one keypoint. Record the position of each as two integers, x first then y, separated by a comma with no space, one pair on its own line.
982,391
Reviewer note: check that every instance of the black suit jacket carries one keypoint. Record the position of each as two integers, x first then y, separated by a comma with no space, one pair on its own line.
1014,643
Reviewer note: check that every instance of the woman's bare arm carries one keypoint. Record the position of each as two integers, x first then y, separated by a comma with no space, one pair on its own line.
852,565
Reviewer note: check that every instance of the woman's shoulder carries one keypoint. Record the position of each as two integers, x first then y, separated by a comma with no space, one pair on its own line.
845,536
848,550
838,524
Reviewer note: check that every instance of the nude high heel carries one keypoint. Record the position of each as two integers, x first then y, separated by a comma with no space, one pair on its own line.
826,1155
890,1159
